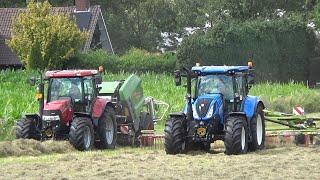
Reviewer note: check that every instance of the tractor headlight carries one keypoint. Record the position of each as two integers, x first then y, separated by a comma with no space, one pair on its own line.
51,118
195,114
211,111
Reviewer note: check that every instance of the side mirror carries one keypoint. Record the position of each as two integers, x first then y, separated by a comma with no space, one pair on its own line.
32,81
250,81
98,79
177,77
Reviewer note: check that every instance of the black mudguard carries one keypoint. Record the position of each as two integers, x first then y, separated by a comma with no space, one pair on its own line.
80,114
178,114
33,116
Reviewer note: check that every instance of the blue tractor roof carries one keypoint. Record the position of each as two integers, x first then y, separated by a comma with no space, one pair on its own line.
219,69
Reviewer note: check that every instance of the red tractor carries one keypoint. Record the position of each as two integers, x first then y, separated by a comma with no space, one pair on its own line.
71,109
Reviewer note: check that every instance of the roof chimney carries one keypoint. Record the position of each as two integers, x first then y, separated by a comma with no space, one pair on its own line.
82,5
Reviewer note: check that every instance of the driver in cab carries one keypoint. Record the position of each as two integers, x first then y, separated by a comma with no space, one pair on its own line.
75,90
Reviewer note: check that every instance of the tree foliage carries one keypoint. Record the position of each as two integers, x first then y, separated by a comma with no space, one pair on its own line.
281,48
44,40
141,23
317,14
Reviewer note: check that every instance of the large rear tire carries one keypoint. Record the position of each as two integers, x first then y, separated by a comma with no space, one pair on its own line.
258,132
173,136
27,129
107,129
236,138
81,133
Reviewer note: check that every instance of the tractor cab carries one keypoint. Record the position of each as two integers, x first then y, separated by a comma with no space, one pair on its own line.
225,87
228,83
79,87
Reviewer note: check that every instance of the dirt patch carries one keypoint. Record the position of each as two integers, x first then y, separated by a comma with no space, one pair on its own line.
22,147
124,163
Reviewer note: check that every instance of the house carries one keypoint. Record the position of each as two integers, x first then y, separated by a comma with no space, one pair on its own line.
87,17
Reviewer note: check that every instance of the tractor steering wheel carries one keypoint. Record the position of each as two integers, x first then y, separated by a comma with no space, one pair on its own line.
72,100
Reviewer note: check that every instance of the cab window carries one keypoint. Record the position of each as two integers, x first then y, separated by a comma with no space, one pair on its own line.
88,88
240,88
65,87
215,84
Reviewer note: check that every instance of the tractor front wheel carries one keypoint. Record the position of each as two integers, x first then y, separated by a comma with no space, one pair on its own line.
27,129
173,136
258,132
236,138
81,133
107,129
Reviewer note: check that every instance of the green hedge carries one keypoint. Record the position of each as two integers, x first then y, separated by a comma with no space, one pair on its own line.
135,60
281,48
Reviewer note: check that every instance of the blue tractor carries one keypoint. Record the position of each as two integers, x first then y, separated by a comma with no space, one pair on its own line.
217,107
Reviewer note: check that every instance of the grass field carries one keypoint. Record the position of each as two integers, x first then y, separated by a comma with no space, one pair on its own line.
136,163
17,97
29,159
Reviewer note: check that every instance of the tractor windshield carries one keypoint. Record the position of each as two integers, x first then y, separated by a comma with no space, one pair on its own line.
65,87
213,84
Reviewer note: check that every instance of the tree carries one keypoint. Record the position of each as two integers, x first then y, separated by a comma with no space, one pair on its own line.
317,14
44,40
252,9
12,3
138,23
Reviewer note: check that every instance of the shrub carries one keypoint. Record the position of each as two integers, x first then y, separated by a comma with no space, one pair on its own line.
92,60
135,60
281,48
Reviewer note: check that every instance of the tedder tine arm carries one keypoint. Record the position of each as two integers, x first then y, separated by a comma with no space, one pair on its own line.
282,123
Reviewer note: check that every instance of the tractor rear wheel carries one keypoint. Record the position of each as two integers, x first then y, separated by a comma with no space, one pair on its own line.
107,129
81,133
27,129
236,138
257,125
173,136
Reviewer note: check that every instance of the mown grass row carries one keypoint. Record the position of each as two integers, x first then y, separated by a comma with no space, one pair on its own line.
17,97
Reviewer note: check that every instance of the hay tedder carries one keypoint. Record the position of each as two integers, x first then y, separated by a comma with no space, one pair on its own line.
283,128
79,107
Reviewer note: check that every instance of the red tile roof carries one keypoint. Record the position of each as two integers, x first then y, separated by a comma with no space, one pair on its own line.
7,57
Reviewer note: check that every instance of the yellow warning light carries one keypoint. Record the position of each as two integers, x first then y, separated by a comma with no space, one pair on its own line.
101,69
250,64
38,96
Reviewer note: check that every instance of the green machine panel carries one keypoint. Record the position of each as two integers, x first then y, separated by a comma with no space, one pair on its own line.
109,87
131,93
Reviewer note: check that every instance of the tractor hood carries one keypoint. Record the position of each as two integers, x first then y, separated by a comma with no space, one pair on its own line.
59,108
60,105
207,106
